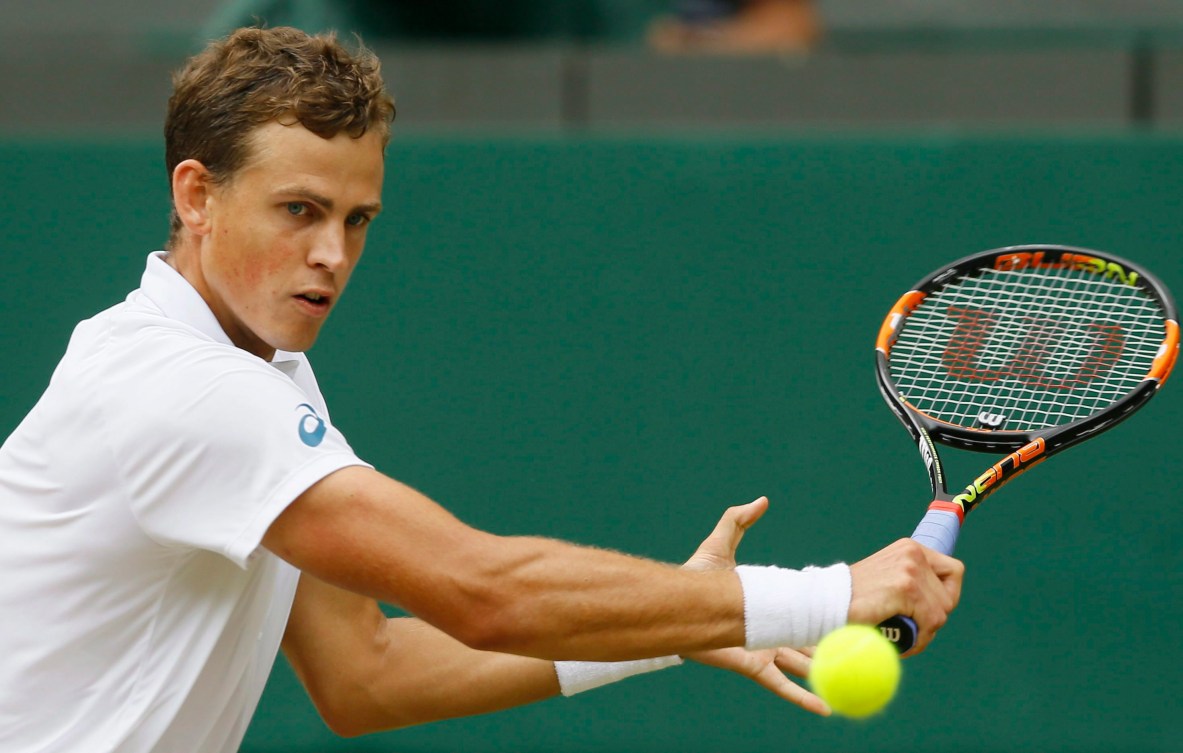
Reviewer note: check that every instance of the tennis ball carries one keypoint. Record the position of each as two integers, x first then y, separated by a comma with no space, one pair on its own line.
855,670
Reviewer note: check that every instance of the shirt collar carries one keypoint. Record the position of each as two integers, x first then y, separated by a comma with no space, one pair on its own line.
179,300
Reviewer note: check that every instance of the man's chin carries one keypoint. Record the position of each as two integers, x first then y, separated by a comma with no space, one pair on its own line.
295,343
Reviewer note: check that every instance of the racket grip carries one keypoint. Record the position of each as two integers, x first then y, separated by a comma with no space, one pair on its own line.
938,531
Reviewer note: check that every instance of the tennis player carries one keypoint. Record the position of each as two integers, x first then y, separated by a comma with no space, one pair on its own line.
178,505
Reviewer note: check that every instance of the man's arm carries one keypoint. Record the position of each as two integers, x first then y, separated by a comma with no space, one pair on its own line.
366,672
366,533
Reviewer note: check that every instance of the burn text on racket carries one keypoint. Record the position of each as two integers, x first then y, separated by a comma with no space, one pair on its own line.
1065,260
1019,460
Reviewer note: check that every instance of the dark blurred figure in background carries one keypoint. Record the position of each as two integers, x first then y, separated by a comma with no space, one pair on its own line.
738,27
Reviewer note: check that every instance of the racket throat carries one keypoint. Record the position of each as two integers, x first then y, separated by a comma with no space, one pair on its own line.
1006,469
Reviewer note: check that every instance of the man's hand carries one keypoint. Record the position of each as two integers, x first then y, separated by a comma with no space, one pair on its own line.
767,667
717,551
909,579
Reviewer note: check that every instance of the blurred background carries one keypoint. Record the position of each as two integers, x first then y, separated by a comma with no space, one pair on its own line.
634,258
565,65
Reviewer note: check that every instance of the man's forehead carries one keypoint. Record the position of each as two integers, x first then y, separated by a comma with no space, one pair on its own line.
278,140
292,150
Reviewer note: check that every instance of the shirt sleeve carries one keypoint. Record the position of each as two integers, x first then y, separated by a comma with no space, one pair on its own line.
211,461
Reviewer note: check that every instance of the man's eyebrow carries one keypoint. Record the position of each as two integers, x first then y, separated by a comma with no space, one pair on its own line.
326,202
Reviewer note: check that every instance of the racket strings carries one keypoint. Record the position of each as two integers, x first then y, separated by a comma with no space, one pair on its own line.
1025,349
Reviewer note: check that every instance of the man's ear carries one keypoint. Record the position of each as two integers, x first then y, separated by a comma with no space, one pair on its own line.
191,195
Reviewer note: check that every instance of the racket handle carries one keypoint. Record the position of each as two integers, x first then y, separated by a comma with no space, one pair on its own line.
938,531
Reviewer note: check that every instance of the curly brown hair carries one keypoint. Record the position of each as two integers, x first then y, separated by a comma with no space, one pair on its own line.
255,76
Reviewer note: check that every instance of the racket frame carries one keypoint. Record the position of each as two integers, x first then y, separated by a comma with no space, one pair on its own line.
1024,449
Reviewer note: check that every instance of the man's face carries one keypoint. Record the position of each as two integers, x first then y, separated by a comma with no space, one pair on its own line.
285,234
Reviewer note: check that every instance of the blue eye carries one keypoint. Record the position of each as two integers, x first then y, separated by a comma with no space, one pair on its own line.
356,220
296,209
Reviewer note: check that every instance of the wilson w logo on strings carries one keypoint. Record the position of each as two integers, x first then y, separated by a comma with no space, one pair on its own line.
1041,352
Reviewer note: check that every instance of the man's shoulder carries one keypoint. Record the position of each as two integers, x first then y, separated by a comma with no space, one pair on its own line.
133,356
133,335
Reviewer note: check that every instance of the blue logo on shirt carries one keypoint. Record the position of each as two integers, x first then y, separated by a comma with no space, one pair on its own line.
312,427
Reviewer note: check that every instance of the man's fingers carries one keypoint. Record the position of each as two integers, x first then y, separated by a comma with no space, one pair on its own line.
735,521
794,662
909,579
951,573
774,680
767,668
746,515
718,550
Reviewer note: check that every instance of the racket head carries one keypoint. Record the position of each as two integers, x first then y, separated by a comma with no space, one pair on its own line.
1008,345
1022,349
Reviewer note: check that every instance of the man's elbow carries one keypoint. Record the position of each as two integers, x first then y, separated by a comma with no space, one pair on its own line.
350,711
344,725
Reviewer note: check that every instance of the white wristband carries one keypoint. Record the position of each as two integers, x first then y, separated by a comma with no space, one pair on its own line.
794,608
578,676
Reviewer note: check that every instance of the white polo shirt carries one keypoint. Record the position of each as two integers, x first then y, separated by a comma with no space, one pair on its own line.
137,610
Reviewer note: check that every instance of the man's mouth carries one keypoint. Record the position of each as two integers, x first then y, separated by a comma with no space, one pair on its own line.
314,301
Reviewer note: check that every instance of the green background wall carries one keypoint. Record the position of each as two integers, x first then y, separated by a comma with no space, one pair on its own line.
611,339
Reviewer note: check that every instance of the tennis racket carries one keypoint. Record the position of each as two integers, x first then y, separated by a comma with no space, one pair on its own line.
1023,351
